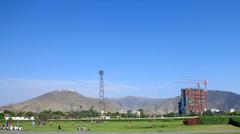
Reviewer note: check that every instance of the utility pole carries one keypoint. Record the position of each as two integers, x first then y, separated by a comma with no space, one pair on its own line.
156,109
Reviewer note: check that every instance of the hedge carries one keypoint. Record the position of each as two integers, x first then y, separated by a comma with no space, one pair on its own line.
235,121
205,120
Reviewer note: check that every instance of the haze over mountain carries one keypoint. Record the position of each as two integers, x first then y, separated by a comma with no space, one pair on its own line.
66,100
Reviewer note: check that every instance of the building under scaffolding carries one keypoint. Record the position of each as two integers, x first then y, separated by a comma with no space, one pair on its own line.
193,101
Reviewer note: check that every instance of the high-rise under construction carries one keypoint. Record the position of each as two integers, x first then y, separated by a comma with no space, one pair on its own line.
193,101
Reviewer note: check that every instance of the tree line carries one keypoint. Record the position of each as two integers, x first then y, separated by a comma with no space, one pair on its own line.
91,113
49,114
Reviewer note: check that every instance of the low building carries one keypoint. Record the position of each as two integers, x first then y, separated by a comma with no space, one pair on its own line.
215,110
105,117
138,113
18,118
122,111
232,110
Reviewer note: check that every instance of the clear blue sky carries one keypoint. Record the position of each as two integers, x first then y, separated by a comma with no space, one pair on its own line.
144,44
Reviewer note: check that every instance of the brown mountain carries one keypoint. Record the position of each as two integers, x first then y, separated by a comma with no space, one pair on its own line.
60,101
223,100
70,100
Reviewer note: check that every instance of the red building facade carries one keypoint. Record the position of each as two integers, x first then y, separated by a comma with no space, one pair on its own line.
193,101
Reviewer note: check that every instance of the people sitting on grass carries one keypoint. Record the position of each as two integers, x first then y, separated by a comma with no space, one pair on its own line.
11,127
83,128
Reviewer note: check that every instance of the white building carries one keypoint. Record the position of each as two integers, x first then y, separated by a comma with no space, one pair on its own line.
232,110
215,110
105,117
18,118
138,113
122,111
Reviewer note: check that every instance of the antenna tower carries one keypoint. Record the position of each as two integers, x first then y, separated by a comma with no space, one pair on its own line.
101,103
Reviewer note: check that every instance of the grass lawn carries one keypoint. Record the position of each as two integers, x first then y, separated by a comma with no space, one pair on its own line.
123,126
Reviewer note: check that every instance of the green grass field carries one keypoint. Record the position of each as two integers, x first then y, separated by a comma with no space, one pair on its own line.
123,126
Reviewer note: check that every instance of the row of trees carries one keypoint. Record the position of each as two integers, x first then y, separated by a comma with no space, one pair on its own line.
206,113
209,113
91,113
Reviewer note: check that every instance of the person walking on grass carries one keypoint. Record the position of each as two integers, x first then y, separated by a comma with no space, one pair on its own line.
33,123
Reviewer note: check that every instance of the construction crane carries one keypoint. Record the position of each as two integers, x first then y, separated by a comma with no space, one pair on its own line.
200,82
197,82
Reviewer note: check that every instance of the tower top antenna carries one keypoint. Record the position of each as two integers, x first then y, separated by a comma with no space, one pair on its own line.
101,72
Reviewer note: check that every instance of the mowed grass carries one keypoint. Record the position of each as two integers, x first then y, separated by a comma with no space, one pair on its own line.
123,126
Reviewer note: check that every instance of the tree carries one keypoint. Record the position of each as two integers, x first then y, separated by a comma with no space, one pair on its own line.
20,114
142,114
172,114
1,116
29,114
43,116
207,113
130,114
11,113
57,115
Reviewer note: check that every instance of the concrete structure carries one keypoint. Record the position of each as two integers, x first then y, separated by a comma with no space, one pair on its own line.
193,101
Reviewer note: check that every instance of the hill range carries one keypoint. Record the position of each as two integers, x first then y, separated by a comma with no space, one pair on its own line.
70,100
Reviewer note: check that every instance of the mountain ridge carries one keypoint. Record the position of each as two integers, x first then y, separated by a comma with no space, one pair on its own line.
66,100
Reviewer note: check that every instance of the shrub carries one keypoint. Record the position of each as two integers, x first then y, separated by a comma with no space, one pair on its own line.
193,121
235,121
214,120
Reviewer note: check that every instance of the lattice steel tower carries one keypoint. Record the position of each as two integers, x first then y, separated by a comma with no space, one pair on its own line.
101,103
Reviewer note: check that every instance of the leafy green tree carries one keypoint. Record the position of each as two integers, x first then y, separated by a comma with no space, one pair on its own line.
1,116
11,113
207,113
73,114
142,114
57,115
109,114
21,114
172,114
29,114
43,116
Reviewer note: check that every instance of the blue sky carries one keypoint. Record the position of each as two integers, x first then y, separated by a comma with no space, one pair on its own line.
143,46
